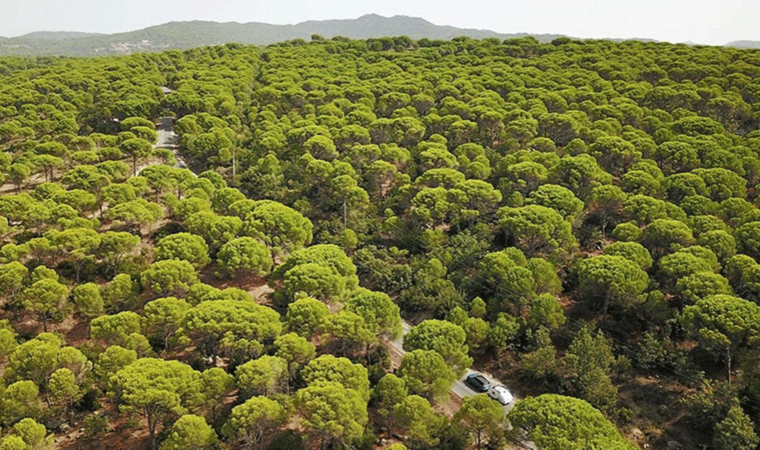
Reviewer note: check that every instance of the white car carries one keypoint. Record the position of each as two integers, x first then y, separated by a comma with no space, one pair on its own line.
501,395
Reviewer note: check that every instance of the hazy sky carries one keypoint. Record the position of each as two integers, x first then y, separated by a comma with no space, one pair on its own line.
701,21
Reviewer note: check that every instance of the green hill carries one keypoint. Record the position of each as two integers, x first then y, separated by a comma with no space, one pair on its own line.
183,35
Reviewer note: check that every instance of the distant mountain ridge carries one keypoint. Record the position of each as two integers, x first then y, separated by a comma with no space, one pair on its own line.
744,44
182,35
55,35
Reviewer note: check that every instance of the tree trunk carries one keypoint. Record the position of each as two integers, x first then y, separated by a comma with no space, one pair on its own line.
728,364
151,428
274,260
345,212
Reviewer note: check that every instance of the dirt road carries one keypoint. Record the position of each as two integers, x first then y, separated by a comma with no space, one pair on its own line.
168,139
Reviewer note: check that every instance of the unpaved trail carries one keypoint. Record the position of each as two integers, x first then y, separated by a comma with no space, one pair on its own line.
168,139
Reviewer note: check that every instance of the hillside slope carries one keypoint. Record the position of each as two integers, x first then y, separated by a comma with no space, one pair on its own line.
182,35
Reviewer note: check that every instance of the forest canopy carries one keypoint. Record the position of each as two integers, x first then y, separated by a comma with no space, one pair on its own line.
307,245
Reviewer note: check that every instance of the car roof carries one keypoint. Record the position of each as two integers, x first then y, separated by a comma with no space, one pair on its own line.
501,389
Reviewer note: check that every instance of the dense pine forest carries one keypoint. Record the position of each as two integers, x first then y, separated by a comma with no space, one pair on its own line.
341,230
